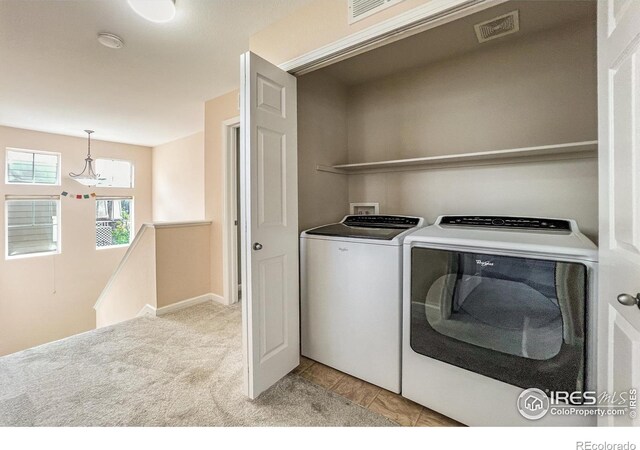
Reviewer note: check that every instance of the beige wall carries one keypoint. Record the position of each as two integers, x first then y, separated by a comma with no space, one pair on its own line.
320,23
50,297
546,94
217,111
183,263
322,139
167,263
532,90
133,285
178,179
549,189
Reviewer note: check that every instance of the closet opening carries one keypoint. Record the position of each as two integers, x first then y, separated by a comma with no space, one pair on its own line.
494,113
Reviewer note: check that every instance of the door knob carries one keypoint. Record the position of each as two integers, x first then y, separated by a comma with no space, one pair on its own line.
257,246
629,300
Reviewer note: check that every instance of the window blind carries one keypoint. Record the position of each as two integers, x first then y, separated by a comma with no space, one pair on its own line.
32,226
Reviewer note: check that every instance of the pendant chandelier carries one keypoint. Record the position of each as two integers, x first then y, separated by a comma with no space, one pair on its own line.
88,176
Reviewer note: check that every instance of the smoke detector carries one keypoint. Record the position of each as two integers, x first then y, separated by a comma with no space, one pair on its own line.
498,26
110,40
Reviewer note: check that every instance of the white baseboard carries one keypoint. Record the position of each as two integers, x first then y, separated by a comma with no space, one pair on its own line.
185,304
218,299
147,310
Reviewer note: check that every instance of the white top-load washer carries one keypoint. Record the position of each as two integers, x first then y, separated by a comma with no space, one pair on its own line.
493,306
351,295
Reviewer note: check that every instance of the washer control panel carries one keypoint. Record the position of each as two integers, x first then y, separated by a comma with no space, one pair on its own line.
528,223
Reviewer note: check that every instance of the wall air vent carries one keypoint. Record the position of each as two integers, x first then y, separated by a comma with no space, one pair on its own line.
359,9
498,27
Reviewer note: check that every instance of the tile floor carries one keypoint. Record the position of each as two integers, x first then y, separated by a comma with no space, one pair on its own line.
393,406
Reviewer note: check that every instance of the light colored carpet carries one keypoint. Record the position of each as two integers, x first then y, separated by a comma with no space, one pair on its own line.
184,369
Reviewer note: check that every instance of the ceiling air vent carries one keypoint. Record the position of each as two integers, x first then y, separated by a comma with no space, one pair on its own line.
359,9
498,27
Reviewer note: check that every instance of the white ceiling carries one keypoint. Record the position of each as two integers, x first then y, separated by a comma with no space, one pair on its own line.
56,77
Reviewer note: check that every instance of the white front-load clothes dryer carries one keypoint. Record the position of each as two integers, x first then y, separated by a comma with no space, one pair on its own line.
351,295
494,306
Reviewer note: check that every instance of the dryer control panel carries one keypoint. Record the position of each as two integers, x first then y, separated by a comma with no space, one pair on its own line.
527,223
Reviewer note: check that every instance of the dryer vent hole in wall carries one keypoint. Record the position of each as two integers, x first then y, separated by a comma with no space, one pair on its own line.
498,26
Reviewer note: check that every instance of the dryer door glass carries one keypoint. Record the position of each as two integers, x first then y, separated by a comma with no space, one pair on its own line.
518,320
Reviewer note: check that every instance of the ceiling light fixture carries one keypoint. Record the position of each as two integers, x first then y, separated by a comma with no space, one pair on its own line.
110,40
88,176
158,11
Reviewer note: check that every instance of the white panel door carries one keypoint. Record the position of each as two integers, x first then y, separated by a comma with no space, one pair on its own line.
619,160
269,192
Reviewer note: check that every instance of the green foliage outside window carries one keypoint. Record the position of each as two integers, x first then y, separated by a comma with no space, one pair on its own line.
120,233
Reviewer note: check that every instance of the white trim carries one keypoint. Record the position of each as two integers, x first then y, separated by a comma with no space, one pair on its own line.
131,173
429,15
39,152
230,276
58,226
31,197
112,247
192,223
218,299
132,217
113,197
147,310
183,304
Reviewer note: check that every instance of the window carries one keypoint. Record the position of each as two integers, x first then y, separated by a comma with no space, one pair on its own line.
31,167
114,221
114,173
32,226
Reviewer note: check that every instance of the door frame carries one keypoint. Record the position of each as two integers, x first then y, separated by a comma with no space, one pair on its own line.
230,145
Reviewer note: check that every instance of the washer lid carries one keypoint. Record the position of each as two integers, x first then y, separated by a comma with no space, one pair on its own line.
368,227
362,232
